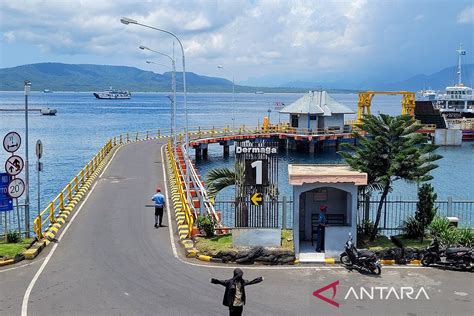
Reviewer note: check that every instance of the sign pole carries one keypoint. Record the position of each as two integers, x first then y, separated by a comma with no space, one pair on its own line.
27,176
18,216
6,227
39,168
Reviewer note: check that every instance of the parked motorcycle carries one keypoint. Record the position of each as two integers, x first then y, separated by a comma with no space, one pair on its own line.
457,257
363,259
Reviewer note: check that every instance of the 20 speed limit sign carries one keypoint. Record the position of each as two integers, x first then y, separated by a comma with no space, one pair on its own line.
16,188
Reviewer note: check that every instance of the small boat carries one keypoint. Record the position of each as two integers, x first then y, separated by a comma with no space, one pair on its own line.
259,92
48,111
47,91
113,94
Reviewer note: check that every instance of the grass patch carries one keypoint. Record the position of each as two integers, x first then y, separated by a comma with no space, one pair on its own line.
9,250
215,244
383,242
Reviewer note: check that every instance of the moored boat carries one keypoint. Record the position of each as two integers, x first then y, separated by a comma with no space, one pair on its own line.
113,94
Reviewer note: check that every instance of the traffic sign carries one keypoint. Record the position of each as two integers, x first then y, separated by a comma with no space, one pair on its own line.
39,149
14,165
11,142
257,199
6,202
16,188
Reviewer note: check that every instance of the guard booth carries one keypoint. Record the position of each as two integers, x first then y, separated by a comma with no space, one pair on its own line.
335,186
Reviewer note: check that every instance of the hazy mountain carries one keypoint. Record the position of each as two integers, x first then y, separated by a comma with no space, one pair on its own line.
85,77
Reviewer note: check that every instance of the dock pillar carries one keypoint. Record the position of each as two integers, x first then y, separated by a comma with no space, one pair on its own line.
204,153
338,144
226,150
311,147
198,153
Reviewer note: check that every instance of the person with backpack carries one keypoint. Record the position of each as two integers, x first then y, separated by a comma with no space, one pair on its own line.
159,200
234,295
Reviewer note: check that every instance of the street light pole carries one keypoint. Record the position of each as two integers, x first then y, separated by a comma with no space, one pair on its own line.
173,86
27,176
127,21
233,96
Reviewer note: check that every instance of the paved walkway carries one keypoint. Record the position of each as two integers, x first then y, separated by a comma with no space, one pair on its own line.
112,261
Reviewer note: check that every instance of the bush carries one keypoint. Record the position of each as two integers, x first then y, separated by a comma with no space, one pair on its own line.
206,224
413,228
425,207
439,226
13,237
466,237
365,228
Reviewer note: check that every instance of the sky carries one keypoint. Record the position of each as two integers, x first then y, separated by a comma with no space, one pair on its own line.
256,42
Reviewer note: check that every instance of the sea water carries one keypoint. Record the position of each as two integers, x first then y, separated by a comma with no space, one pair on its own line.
83,124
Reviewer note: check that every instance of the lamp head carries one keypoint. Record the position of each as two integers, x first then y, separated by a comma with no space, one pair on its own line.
127,21
220,66
143,47
149,62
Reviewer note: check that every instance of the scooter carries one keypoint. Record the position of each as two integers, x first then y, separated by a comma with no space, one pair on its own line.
363,259
457,257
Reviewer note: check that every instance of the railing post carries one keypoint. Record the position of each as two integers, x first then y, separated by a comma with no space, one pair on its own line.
51,212
136,137
61,201
76,184
37,225
159,133
146,134
128,138
69,193
83,180
121,140
283,213
449,211
115,140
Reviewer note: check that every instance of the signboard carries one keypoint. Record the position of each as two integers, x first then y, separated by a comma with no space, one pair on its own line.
14,165
6,202
11,142
16,187
256,191
39,149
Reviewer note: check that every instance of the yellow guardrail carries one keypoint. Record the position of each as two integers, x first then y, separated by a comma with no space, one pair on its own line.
181,191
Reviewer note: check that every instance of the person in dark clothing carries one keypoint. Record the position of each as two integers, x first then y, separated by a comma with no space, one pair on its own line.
234,295
322,223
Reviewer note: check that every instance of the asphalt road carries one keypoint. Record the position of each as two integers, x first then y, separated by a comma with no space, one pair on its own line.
112,261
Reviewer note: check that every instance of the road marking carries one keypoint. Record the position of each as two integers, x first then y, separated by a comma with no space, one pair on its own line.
461,293
22,266
173,244
26,297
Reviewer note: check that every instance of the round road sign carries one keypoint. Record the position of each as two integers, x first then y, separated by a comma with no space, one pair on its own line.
39,149
11,142
16,188
14,165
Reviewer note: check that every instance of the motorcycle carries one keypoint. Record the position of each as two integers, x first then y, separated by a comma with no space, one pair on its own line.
363,259
457,257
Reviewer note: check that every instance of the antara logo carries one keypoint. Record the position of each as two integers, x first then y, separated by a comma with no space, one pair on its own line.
372,293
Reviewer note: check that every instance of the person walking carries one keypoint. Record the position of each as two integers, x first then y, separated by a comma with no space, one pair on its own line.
159,200
322,223
234,295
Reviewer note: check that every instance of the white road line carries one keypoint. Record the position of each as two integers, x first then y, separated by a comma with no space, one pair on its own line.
22,265
26,297
173,244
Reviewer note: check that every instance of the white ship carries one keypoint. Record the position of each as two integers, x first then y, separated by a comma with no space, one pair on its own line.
458,101
113,94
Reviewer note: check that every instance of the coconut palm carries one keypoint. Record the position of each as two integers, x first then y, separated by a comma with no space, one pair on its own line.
391,150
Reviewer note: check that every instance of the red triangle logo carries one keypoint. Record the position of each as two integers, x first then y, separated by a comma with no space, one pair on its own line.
332,286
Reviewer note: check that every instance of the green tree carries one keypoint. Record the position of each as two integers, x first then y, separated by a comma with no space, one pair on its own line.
425,207
218,179
390,149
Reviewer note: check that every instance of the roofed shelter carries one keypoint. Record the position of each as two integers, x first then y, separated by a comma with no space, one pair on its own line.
317,110
335,186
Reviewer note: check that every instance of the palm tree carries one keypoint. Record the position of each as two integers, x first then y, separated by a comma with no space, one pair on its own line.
391,150
219,179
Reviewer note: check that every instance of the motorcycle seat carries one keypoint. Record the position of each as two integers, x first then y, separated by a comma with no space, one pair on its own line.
454,250
365,253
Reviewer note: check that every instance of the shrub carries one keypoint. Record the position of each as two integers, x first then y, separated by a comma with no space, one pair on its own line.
13,237
425,207
365,228
206,224
466,236
438,226
413,228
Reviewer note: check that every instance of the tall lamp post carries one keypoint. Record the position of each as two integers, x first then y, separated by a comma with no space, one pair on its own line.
233,96
27,172
127,21
173,86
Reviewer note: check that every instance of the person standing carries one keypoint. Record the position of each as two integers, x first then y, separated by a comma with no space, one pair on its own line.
322,223
234,295
159,200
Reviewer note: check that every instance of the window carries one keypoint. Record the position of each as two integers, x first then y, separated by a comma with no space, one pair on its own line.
313,117
294,120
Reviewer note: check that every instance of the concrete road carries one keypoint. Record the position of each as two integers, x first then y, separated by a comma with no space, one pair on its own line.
112,261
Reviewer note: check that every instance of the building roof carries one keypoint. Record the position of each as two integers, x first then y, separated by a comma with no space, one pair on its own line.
301,174
317,102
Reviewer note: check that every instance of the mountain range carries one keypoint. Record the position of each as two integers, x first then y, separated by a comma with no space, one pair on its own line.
88,77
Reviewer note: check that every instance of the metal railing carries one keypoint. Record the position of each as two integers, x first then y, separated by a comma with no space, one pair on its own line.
396,211
226,211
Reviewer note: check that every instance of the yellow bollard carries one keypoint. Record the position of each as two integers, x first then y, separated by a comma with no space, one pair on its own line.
159,133
69,193
51,212
136,137
146,134
128,139
37,227
61,201
121,139
82,177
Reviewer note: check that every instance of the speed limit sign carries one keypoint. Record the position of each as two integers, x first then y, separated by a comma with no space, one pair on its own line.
16,188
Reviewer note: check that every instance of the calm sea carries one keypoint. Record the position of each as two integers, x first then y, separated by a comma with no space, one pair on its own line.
83,124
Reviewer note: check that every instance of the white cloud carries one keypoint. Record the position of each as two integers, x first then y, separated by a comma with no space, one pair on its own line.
466,15
419,17
9,36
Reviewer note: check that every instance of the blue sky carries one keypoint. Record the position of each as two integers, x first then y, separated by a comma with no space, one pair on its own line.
256,41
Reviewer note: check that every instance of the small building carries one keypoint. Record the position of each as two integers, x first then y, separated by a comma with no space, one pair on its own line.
335,186
317,110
